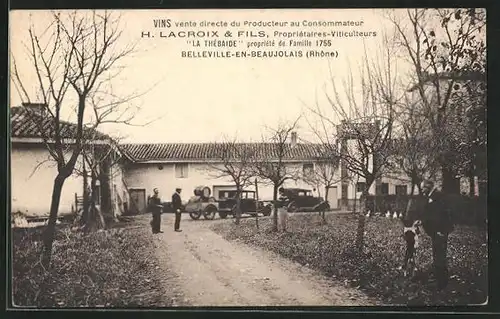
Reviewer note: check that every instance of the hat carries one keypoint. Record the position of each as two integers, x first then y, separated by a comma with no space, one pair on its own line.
178,189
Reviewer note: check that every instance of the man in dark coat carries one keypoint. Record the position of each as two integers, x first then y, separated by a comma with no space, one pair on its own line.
437,223
177,206
155,207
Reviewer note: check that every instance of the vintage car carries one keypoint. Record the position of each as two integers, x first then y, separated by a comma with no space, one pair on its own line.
227,204
302,200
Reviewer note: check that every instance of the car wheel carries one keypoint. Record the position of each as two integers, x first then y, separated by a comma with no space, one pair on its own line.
222,215
292,208
195,215
209,212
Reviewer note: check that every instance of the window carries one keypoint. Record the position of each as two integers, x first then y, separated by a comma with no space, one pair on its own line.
181,170
360,187
223,194
401,189
384,188
307,169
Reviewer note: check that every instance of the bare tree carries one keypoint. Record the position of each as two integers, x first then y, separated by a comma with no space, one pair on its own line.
324,173
234,160
71,60
101,153
272,167
98,162
443,46
366,112
413,147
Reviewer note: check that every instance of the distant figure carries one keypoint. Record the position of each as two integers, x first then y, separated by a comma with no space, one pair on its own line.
437,223
155,207
282,205
177,206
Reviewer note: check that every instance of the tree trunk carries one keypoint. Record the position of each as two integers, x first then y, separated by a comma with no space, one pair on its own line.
49,231
106,202
323,218
96,219
86,199
360,234
275,209
238,204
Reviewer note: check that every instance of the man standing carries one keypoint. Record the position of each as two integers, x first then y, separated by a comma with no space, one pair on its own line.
437,223
177,206
155,207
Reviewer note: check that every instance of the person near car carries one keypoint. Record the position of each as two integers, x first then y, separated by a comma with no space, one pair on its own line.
282,205
177,206
155,207
437,223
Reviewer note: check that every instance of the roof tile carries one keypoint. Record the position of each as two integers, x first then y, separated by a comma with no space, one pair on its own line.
213,151
24,123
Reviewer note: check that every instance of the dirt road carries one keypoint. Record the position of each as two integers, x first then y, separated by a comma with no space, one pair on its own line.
211,271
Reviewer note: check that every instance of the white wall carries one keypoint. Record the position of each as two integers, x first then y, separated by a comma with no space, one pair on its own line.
32,195
149,176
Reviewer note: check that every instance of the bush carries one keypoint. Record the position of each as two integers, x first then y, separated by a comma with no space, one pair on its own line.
330,249
112,268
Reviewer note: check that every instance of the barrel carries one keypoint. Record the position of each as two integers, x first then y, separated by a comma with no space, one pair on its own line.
202,191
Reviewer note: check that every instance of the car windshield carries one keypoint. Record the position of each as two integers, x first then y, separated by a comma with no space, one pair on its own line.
250,195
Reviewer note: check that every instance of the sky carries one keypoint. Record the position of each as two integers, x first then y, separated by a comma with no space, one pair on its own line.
206,100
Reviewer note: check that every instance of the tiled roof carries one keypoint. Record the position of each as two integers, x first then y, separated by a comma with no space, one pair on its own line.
26,123
214,151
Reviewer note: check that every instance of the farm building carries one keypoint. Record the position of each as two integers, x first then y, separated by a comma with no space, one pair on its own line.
136,169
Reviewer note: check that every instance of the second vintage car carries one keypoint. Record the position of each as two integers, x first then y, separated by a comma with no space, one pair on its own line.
227,204
302,200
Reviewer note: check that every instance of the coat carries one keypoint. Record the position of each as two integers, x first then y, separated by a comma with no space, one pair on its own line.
155,204
176,202
436,215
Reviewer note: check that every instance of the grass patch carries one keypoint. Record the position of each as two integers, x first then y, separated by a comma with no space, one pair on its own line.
112,268
329,249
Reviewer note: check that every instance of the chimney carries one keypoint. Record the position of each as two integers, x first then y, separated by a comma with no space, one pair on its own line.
35,107
293,139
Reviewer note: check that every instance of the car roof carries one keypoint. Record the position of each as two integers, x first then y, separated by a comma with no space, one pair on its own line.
297,189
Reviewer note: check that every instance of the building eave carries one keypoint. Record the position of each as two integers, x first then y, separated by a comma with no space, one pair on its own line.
202,161
39,140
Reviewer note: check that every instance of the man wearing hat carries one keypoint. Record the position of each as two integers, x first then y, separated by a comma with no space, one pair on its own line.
177,206
438,224
155,207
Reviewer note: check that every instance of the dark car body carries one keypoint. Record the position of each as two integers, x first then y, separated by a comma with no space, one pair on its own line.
227,203
302,200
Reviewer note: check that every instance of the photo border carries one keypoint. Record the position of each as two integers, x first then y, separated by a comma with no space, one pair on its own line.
494,135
